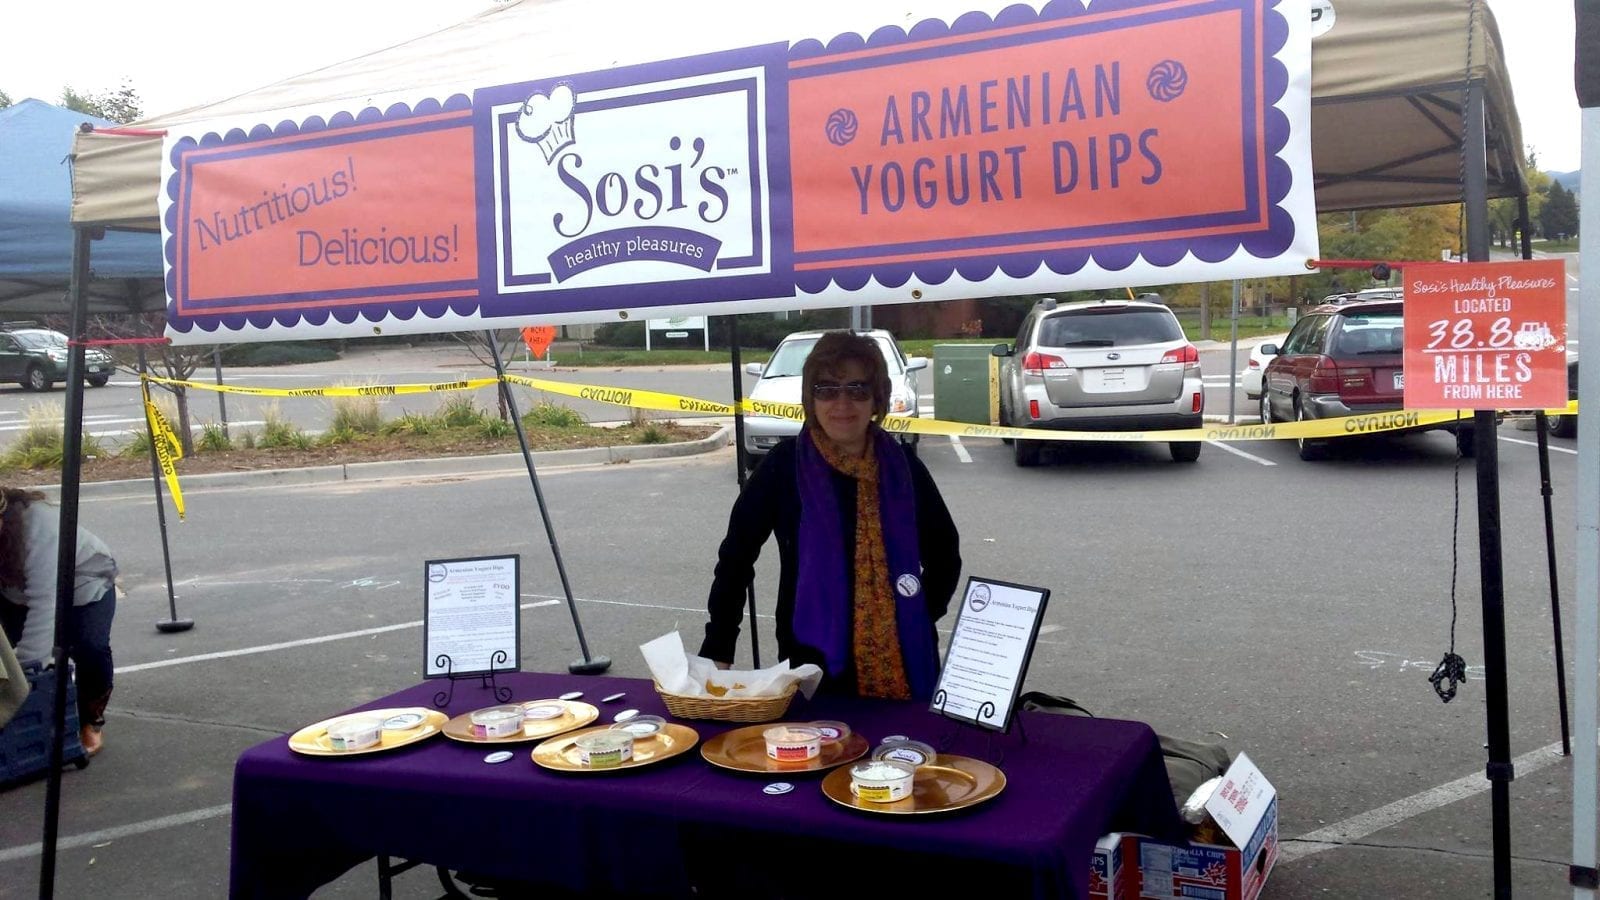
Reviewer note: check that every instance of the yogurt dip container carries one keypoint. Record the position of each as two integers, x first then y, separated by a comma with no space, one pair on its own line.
604,749
543,710
355,734
832,732
793,743
497,722
641,727
907,751
882,780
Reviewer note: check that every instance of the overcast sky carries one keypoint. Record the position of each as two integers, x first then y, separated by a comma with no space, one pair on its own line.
174,63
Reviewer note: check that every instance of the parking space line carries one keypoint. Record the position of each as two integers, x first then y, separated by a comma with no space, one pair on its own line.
1357,827
285,645
961,451
1220,445
106,835
1553,447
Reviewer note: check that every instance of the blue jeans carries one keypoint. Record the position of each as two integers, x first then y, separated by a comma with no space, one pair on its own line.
89,647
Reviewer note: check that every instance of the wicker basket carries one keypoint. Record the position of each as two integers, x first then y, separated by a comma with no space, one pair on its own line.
726,709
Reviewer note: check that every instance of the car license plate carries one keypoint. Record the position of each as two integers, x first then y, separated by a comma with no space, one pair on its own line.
94,368
1113,377
1399,381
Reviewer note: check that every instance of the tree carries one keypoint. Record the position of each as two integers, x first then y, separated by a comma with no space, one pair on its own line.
1559,215
5,99
121,105
1503,212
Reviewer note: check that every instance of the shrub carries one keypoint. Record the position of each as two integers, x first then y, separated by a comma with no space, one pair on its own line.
276,431
494,429
460,412
213,438
654,434
279,354
552,415
410,423
356,415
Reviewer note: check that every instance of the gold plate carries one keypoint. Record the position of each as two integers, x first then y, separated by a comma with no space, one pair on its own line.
561,753
949,783
313,739
745,750
578,714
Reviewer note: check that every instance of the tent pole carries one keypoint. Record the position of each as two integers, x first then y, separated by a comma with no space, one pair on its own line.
67,552
1586,648
1491,576
739,461
1542,426
589,665
172,624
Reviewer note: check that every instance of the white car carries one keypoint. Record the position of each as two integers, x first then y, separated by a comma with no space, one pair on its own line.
780,383
1250,378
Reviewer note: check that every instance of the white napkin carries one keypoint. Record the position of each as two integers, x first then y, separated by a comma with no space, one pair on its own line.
679,673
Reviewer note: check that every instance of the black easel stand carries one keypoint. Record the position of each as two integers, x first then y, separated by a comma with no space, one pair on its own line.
172,624
987,709
486,680
589,665
739,464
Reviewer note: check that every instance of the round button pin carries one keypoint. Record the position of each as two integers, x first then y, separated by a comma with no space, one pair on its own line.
499,756
894,737
614,697
624,715
777,787
572,695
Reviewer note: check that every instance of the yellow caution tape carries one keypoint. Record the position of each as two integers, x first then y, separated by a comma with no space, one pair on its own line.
367,390
1346,426
167,446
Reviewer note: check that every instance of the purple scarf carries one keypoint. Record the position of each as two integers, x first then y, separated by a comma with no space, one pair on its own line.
823,603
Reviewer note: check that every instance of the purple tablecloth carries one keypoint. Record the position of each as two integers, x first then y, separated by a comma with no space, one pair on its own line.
299,822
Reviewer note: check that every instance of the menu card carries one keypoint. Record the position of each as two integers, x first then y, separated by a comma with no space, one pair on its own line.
987,658
471,616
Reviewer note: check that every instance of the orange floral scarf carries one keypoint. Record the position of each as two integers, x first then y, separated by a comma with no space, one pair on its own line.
880,668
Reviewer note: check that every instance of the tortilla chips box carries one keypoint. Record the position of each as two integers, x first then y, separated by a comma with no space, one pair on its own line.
1245,807
1108,880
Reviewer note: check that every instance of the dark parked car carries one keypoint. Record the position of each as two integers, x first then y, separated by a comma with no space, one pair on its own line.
36,358
1342,360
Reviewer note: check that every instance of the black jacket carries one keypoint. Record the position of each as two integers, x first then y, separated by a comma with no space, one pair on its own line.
770,503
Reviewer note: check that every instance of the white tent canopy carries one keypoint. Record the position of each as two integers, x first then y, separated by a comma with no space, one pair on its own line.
1387,88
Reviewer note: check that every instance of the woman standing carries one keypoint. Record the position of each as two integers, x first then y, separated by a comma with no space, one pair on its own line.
867,551
30,539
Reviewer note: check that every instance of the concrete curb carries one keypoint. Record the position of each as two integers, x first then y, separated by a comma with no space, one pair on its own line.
448,465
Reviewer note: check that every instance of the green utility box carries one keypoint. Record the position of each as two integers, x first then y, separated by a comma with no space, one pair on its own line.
965,383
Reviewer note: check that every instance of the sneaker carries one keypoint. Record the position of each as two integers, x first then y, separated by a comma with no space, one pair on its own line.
89,736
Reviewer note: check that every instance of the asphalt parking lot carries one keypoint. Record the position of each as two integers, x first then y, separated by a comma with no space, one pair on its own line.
1292,610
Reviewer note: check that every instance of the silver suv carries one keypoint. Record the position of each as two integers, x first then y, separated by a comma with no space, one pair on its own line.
1101,365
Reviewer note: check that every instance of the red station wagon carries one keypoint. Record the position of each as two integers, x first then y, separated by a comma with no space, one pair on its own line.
1342,360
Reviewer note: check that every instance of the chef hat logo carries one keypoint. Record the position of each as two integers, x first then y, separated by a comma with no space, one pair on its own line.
546,120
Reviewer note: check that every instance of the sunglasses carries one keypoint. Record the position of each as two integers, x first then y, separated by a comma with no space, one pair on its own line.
859,391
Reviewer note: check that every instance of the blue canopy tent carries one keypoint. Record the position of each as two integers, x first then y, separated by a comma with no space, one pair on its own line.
36,231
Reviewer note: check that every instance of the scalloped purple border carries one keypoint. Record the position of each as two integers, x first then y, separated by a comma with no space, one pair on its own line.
1278,236
291,316
1161,254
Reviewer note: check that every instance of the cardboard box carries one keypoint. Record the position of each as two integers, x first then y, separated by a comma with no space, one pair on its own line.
1108,879
1245,806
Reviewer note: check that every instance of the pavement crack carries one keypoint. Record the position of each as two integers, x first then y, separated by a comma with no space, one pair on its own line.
1460,854
192,720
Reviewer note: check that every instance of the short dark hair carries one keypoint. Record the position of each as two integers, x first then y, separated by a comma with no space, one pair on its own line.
833,350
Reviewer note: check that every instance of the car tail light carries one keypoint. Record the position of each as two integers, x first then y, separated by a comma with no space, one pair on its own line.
1033,408
1199,402
1255,364
1324,378
1038,362
1185,354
